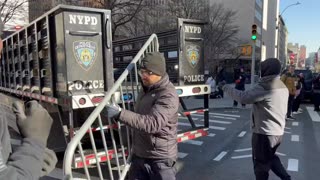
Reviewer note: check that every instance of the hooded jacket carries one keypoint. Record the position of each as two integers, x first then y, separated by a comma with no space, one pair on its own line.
269,99
154,121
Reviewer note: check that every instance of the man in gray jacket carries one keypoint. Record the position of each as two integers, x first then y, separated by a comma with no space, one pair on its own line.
31,159
154,122
269,99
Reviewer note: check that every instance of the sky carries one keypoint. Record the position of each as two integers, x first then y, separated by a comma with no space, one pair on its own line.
303,22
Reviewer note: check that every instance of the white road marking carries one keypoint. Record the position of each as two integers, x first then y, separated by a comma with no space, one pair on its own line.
313,114
210,127
186,118
242,134
219,122
293,165
193,142
280,154
217,128
287,128
241,150
220,156
182,155
295,138
286,132
222,117
220,114
211,135
295,123
58,174
241,157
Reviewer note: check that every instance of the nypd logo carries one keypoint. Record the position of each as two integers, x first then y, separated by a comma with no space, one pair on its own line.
85,53
193,55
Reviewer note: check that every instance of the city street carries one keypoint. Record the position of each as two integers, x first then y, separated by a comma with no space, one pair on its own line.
225,154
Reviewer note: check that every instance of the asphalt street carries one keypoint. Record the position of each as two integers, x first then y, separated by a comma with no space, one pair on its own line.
225,154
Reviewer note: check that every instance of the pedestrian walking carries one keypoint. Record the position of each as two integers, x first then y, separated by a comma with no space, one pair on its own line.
154,122
289,79
240,85
269,98
300,90
221,78
316,93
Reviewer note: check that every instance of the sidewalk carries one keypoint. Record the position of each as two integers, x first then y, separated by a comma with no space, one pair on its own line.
225,102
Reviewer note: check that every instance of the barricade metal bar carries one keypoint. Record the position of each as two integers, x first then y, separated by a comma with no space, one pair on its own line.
105,146
76,140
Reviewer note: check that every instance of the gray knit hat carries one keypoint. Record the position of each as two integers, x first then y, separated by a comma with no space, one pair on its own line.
154,62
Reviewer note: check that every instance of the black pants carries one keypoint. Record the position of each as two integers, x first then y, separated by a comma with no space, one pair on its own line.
316,100
264,158
235,103
296,104
152,169
290,104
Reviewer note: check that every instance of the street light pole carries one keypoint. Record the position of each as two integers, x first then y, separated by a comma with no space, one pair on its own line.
278,28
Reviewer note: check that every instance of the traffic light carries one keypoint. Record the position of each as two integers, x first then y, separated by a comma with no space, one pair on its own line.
254,32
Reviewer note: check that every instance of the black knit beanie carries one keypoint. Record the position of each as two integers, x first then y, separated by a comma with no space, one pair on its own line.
154,62
270,66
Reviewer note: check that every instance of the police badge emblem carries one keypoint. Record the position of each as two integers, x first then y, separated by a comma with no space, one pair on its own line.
85,53
193,55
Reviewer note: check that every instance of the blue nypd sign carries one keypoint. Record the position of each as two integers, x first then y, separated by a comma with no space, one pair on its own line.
85,53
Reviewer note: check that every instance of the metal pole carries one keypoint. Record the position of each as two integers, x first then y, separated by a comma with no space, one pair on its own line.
253,62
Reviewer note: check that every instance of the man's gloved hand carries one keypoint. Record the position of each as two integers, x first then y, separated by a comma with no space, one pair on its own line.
35,122
49,162
113,110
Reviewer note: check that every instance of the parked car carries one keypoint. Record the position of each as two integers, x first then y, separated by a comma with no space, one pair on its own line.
308,77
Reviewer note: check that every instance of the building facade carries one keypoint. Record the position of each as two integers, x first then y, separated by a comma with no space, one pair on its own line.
283,41
302,57
293,50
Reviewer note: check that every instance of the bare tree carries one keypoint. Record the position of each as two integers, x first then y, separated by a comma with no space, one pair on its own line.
9,8
221,33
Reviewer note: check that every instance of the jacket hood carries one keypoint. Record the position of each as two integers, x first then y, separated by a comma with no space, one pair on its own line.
270,67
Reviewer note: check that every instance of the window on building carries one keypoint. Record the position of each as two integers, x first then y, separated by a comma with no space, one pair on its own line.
258,15
259,2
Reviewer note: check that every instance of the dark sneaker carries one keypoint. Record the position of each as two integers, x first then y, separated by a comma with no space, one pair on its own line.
290,118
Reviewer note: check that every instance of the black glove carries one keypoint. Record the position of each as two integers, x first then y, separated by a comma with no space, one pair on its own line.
113,110
49,162
35,122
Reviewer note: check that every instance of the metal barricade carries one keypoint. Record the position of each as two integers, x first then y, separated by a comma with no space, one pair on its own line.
115,154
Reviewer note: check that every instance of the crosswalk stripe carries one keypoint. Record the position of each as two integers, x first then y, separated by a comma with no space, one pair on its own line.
241,150
222,117
193,142
220,156
242,134
293,165
242,156
211,134
313,114
220,114
210,127
295,138
295,123
182,155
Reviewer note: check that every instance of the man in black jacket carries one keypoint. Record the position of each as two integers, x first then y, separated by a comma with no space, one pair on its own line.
240,85
154,122
316,92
